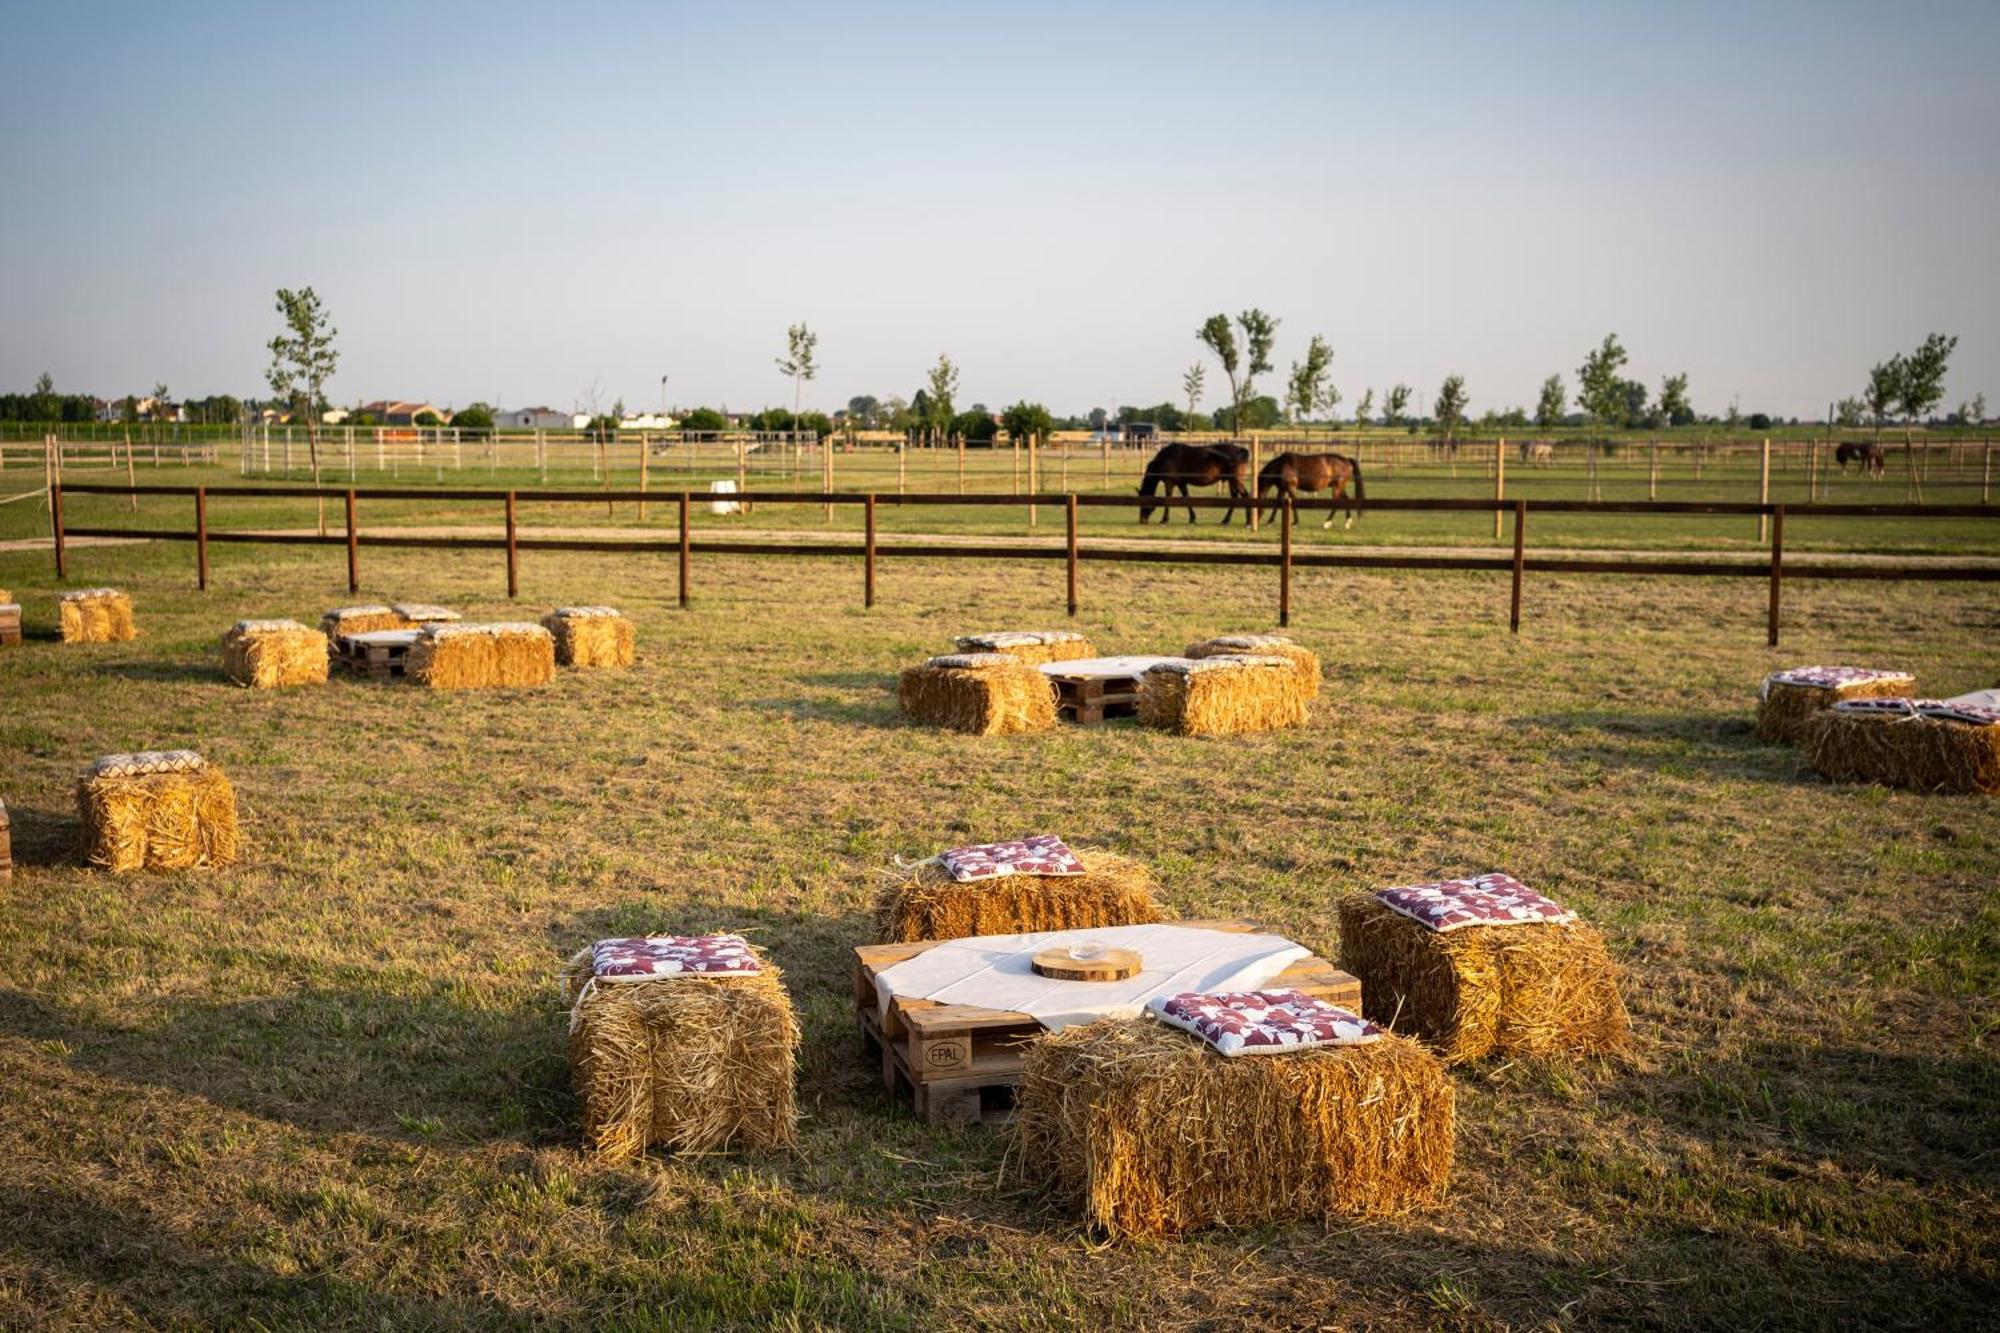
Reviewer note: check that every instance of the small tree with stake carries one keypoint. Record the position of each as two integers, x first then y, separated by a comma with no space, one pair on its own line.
1920,389
1191,385
302,361
1396,407
1549,410
1307,390
1450,409
1242,368
799,363
943,382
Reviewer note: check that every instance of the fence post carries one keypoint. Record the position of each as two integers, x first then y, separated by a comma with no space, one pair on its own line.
826,474
1104,451
1070,507
1255,449
1653,473
868,556
1284,565
961,464
1520,564
1034,475
1499,480
353,547
1986,477
1777,570
1812,471
1764,487
686,550
56,524
645,456
513,569
201,538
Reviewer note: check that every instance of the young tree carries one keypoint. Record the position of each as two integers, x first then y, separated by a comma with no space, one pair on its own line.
1259,330
1308,390
799,363
862,409
1451,403
1554,400
1191,385
1396,405
1364,407
303,359
1977,417
1025,420
1674,400
1921,389
1848,412
943,383
1600,389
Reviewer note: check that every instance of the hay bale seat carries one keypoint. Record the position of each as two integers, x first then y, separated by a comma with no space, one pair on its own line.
1224,695
1152,1133
986,694
591,636
1304,660
366,619
96,615
1789,700
1034,646
157,810
1535,989
271,654
1921,745
694,1063
10,619
462,657
923,901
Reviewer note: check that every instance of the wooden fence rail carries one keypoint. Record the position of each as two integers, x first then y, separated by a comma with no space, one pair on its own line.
1072,550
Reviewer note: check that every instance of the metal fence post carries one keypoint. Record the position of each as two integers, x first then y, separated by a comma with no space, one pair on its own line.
1777,570
1070,506
1285,565
686,549
201,538
513,570
56,525
1520,564
868,556
353,548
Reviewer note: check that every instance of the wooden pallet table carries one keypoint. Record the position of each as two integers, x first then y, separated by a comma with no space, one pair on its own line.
958,1064
1091,689
10,624
378,654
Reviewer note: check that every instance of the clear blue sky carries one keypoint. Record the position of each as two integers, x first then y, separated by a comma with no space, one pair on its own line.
516,201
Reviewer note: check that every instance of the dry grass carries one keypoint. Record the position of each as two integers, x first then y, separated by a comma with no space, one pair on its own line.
1304,660
591,636
159,821
1785,712
991,699
1536,990
1154,1134
96,615
1249,694
1921,754
923,901
694,1064
472,657
272,654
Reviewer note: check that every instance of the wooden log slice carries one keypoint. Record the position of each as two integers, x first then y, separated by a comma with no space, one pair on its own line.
1115,965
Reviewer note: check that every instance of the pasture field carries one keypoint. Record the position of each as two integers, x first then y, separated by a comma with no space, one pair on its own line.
326,1088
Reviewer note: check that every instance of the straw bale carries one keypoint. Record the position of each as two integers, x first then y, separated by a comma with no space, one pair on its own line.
1542,989
345,620
923,901
96,615
1926,754
1222,696
6,847
1783,711
1304,660
454,657
693,1063
1152,1133
174,819
591,636
1034,646
270,654
992,695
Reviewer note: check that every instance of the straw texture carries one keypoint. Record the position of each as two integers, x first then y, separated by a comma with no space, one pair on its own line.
1926,754
360,620
1151,1133
272,654
693,1064
988,700
591,636
1785,711
459,657
159,821
1543,989
96,615
1304,660
1223,696
923,901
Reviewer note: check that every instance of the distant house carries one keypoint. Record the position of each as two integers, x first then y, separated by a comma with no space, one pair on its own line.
532,418
397,412
648,421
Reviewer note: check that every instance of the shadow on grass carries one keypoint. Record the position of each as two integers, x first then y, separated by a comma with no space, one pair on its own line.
169,672
166,1277
45,837
1678,744
867,699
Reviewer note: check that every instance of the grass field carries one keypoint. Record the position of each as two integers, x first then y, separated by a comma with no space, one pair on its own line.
326,1088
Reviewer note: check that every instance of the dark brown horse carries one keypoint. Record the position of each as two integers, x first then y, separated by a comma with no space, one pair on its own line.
1860,451
1289,474
1184,465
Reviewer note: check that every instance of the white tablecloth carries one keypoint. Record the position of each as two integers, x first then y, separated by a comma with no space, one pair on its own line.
1977,699
994,971
1104,668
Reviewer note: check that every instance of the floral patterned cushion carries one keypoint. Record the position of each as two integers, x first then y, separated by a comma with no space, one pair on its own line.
242,627
1829,677
144,762
972,661
1014,639
423,613
1264,1022
1971,714
1199,666
586,612
1249,643
644,958
1044,854
1890,707
1484,900
498,629
89,594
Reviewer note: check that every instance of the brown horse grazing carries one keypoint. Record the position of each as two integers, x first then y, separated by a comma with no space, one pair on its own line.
1862,452
1185,465
1289,474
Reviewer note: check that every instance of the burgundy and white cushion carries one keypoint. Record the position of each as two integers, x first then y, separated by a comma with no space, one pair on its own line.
1889,707
973,661
646,958
1264,1022
1000,640
1044,854
1484,900
1830,677
1975,715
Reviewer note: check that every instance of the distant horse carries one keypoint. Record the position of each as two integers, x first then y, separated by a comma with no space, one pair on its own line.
1184,465
1538,452
1289,474
1860,451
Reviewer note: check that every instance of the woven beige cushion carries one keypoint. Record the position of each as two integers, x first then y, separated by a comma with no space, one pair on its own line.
973,661
424,612
145,761
90,594
586,613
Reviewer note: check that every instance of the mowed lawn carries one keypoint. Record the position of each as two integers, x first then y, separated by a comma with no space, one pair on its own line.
326,1088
